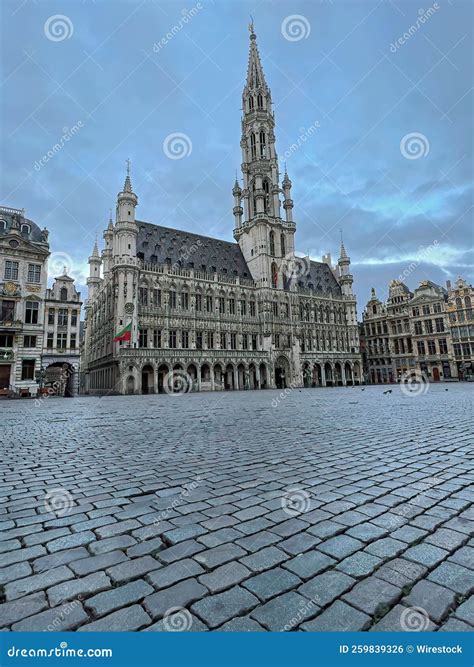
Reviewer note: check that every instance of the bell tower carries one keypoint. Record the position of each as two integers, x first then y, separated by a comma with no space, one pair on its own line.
265,239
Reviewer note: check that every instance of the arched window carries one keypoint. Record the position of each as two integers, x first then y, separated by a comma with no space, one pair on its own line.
63,294
272,245
253,146
3,224
25,229
263,144
259,101
328,319
467,301
458,303
282,245
274,275
266,201
250,103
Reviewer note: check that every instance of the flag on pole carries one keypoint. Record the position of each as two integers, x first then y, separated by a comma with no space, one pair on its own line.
125,333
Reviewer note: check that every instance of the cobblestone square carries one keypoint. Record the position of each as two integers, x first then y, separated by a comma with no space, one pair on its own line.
309,509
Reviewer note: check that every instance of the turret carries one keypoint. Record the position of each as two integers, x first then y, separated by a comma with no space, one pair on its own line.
94,279
107,252
287,201
238,210
126,231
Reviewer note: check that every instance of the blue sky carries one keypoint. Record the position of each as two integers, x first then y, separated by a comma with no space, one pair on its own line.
346,94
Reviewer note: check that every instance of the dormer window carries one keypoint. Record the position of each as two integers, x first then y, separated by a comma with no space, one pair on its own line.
63,294
25,229
3,225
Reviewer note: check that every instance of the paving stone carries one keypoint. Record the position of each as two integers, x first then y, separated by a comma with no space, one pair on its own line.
132,569
264,559
460,524
111,544
111,600
434,599
404,619
224,577
91,564
254,526
455,625
217,609
285,612
67,617
401,572
340,546
78,588
180,551
185,533
258,541
299,543
447,539
224,553
325,529
386,548
16,610
59,558
70,541
426,554
151,547
241,624
37,582
465,611
45,536
179,595
326,587
125,620
463,556
289,527
454,576
409,534
271,583
308,564
9,545
372,594
13,572
177,571
360,564
20,555
339,617
219,537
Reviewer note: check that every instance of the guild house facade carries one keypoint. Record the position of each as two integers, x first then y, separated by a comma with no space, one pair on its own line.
169,310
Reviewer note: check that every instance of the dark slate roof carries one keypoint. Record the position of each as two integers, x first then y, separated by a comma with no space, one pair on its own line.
320,279
173,246
9,215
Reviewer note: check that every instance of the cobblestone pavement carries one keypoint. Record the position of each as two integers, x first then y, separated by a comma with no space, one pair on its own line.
323,509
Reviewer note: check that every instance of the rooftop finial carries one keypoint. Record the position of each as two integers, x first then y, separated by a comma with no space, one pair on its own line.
128,166
251,27
127,185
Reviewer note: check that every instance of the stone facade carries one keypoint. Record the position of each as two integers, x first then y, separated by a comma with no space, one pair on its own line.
428,332
24,303
207,314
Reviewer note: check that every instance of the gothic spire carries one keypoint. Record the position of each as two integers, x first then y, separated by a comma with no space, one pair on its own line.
255,75
127,187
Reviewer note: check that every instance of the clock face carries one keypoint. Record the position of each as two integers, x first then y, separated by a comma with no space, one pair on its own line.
10,288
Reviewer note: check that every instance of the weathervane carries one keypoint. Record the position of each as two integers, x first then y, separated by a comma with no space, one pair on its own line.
251,26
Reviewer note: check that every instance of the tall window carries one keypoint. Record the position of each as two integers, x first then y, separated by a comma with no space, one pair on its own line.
74,318
223,340
252,308
51,313
62,317
28,369
11,270
282,245
209,303
61,341
156,337
420,344
198,340
50,340
143,296
172,339
439,323
172,299
143,338
221,305
7,310
274,275
210,340
31,312
62,293
233,341
6,340
29,341
185,339
263,144
266,200
272,244
73,341
184,300
253,146
245,342
443,347
259,101
157,298
250,103
243,307
232,306
198,302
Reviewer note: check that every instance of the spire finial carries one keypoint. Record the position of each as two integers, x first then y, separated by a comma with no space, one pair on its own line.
251,27
64,270
128,166
127,185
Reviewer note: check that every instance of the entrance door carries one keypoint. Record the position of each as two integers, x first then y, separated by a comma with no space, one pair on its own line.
5,376
280,378
145,382
435,374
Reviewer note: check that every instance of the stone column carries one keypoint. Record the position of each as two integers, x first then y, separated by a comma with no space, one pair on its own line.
323,376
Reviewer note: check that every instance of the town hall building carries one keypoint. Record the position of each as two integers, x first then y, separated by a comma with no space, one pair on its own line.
169,310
